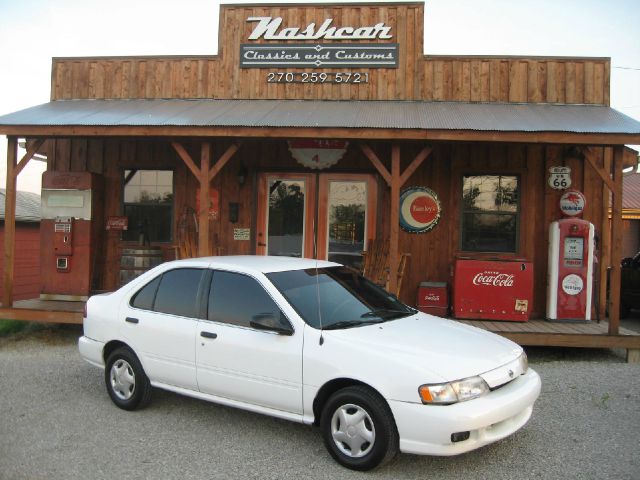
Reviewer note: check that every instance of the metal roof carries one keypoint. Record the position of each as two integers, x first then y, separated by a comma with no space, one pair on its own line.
631,191
498,117
27,206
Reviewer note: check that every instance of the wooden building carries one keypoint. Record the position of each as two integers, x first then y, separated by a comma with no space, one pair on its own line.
305,102
27,253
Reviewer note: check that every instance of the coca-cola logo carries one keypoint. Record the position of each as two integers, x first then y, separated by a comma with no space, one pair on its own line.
495,279
432,297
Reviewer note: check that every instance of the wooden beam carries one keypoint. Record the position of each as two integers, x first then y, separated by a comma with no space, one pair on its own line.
600,171
605,236
186,158
373,158
10,222
222,161
204,249
31,151
394,237
413,166
616,242
395,134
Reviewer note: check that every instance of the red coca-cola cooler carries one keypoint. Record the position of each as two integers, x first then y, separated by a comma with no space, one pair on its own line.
493,289
433,298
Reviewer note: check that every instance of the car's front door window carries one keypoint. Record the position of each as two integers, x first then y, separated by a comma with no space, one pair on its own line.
236,299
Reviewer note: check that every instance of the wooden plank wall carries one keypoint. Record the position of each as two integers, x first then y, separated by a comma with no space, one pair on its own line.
432,253
444,78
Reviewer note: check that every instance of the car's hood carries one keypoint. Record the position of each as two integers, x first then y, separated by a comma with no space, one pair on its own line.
445,348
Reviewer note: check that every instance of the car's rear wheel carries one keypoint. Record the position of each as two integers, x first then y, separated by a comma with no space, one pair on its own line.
358,428
127,384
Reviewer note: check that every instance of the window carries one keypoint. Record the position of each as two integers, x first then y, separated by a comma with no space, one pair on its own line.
178,292
145,297
235,298
490,213
148,204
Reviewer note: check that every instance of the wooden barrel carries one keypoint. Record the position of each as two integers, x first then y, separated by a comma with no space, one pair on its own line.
136,261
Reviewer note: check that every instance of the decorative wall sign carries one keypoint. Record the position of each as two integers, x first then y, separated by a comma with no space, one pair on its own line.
268,28
559,178
317,55
326,55
317,154
243,234
420,209
572,203
117,223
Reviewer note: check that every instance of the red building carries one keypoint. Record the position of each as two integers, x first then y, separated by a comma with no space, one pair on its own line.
27,260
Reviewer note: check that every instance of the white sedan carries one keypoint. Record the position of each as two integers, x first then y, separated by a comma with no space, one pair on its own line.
313,342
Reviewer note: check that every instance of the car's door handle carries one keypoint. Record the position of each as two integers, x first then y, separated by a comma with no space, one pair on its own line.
208,335
131,320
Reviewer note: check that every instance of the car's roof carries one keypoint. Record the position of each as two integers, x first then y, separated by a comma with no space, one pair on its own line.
259,263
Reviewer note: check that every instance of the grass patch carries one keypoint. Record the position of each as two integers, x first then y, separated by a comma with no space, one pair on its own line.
7,327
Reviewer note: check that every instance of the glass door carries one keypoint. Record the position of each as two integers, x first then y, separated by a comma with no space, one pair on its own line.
286,212
345,213
346,216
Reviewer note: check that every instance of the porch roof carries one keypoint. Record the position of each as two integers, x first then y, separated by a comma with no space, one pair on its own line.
345,118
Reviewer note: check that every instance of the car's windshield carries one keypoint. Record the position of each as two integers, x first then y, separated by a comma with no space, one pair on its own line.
337,297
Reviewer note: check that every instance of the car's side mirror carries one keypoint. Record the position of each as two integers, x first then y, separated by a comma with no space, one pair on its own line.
271,323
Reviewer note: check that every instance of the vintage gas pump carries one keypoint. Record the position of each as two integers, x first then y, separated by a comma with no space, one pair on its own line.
570,272
67,230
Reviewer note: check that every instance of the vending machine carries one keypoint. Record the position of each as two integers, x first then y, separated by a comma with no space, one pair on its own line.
570,270
68,230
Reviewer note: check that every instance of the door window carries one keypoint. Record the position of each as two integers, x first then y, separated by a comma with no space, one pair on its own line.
236,299
286,217
177,293
347,210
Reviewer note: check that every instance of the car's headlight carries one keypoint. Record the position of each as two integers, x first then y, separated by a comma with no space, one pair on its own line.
524,362
453,392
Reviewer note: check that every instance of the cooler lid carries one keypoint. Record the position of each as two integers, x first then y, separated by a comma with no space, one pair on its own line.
433,284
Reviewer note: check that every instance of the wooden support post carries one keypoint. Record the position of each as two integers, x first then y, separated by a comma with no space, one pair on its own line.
616,241
10,222
605,236
203,215
394,236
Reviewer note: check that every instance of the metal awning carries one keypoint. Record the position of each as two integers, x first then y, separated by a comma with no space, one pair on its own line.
251,117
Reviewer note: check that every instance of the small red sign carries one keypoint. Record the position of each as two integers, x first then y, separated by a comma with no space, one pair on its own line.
117,223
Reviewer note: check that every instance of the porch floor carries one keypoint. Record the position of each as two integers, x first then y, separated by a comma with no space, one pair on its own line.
531,333
47,311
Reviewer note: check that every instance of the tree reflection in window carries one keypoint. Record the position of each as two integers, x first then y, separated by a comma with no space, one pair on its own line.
490,213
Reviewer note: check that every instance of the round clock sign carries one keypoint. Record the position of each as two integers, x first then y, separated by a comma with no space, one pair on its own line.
420,209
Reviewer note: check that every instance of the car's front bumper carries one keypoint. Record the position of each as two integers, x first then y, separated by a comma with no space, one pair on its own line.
91,351
427,429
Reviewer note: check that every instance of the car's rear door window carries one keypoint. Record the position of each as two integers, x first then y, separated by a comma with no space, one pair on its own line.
235,298
178,292
146,295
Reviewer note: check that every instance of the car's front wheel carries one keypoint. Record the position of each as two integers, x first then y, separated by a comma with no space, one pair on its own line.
127,384
358,428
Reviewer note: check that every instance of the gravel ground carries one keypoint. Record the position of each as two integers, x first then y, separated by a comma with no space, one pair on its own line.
57,422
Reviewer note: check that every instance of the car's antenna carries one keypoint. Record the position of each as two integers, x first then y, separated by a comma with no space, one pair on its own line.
315,254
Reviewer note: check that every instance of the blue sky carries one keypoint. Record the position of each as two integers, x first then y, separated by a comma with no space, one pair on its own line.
33,31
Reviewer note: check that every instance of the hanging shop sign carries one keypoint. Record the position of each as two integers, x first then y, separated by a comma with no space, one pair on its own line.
420,209
572,203
317,154
559,178
318,54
